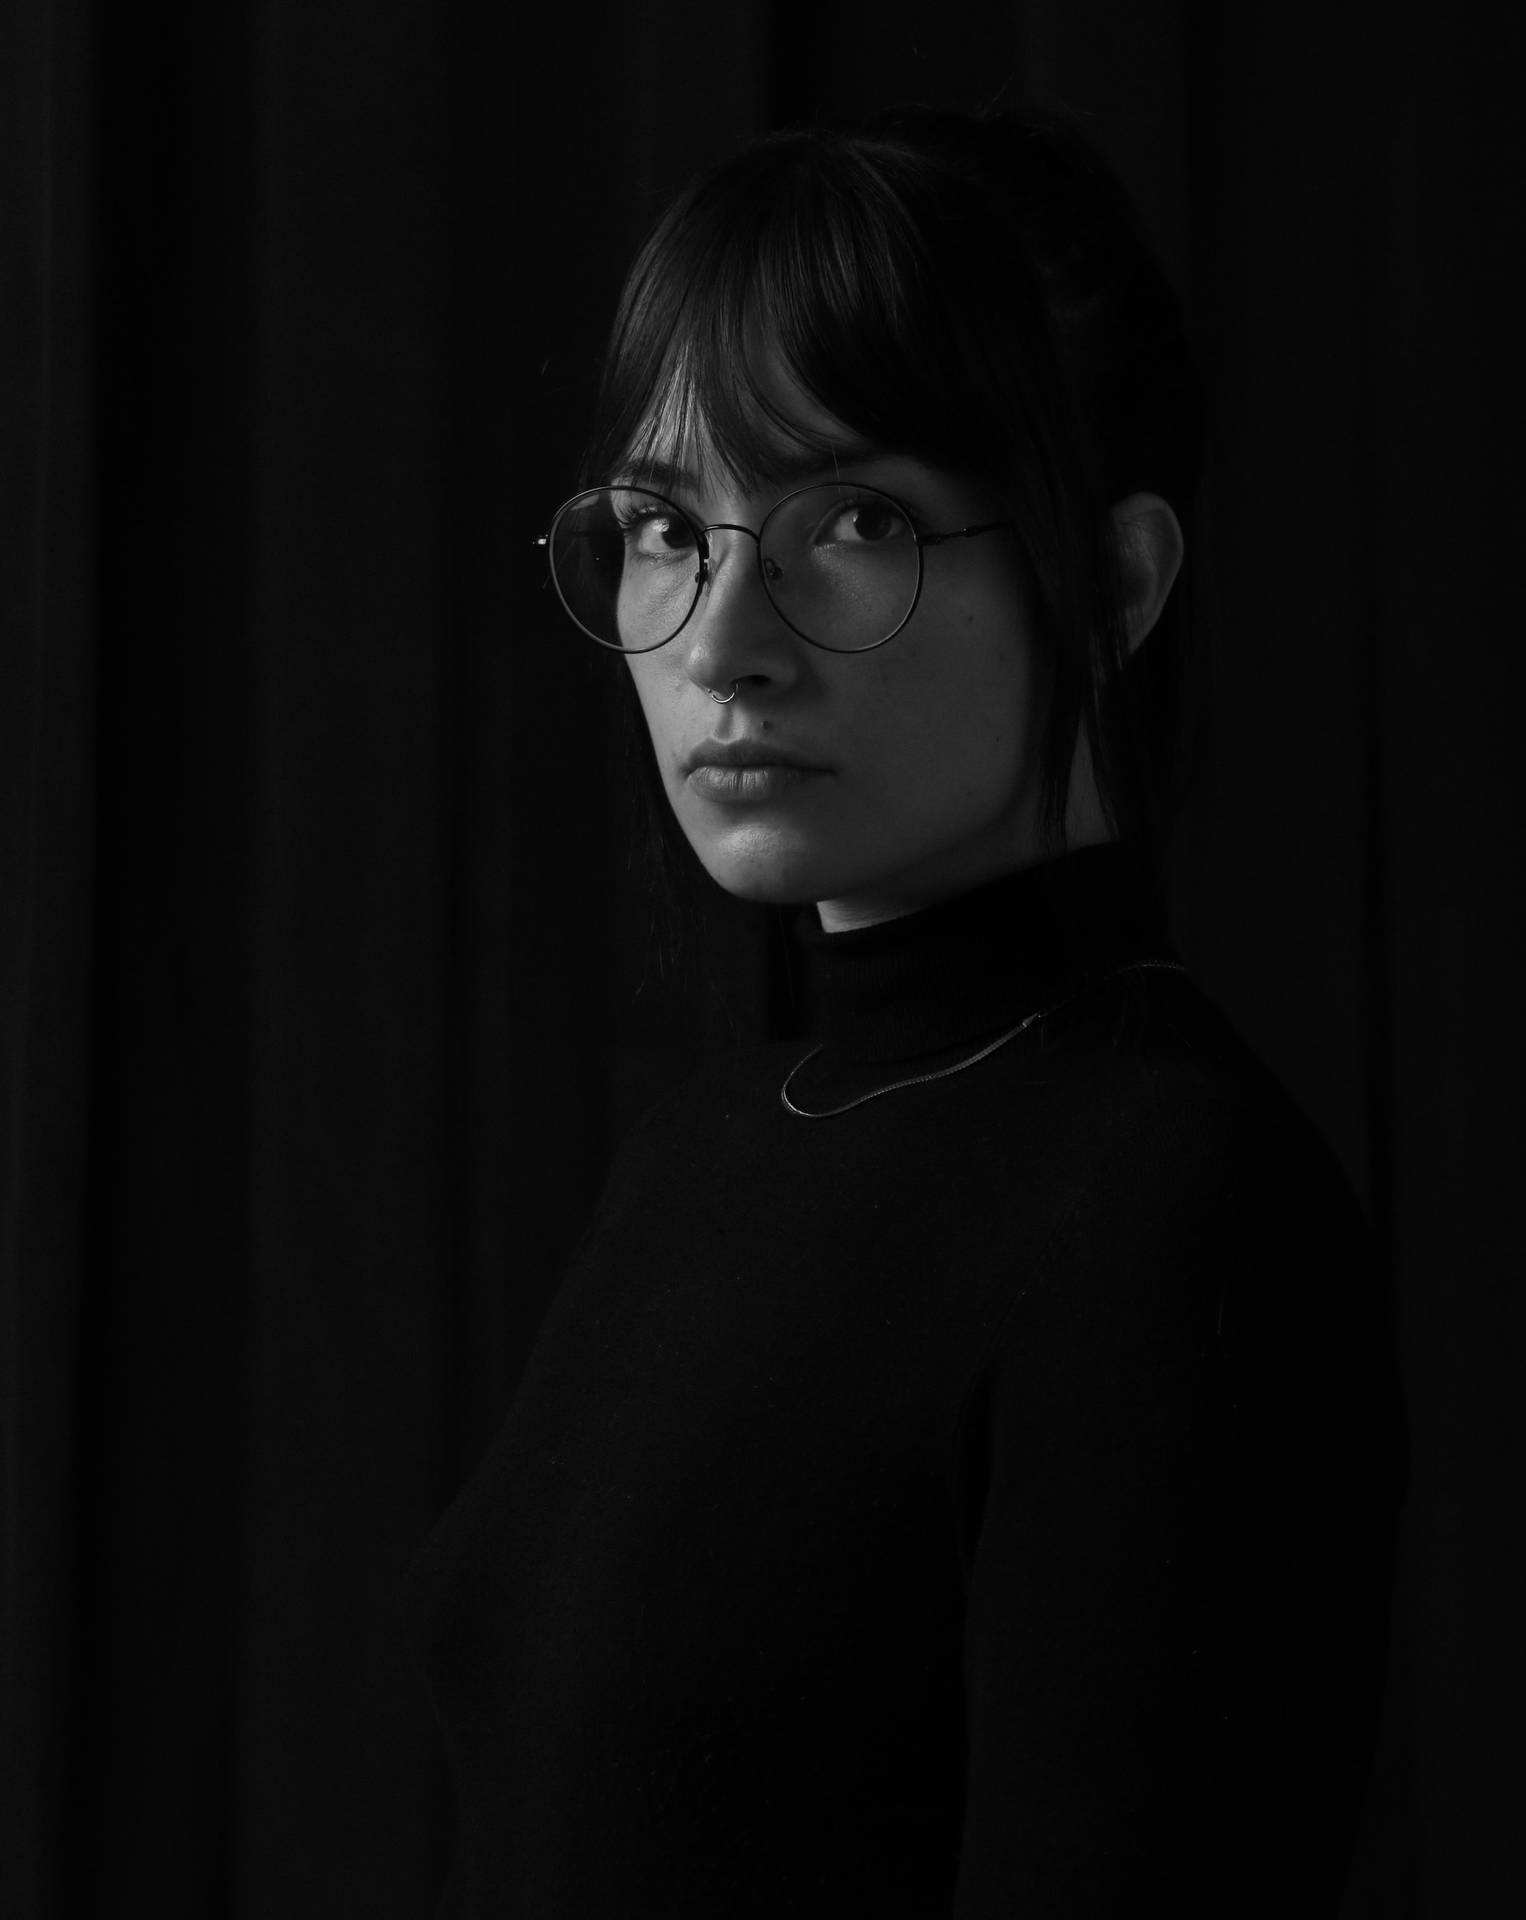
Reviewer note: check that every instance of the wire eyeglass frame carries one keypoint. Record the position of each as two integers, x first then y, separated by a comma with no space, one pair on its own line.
702,577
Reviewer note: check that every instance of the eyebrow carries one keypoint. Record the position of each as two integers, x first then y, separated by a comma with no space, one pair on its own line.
803,466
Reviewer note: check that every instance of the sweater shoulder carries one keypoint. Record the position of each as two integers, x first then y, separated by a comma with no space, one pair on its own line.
1207,1200
1183,1081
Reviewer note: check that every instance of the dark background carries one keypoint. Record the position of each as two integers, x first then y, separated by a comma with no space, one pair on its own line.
318,947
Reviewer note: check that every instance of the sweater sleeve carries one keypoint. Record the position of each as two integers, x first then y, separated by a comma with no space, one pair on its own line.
1180,1471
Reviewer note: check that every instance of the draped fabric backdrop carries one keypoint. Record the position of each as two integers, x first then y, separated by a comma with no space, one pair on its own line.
319,951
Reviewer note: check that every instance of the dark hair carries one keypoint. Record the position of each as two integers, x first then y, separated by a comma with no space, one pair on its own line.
976,291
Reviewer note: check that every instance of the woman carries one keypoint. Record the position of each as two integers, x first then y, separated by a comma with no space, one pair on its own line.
958,1474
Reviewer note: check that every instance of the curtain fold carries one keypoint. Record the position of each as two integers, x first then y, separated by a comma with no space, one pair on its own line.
47,874
319,944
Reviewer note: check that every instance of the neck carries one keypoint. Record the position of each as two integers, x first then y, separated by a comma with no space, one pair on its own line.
918,889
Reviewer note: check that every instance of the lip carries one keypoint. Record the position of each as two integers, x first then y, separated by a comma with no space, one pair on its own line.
748,753
741,785
742,772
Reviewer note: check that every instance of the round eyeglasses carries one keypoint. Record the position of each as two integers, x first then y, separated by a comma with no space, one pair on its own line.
841,563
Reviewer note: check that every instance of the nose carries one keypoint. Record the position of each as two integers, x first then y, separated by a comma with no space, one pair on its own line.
735,632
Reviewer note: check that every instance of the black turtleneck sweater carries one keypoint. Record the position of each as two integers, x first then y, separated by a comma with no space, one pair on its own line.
977,1503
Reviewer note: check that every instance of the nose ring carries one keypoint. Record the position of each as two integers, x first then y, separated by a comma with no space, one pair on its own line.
724,699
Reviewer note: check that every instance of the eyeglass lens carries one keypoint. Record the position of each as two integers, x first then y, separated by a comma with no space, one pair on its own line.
840,563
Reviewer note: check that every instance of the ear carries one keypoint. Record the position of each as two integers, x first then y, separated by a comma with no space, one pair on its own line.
1149,544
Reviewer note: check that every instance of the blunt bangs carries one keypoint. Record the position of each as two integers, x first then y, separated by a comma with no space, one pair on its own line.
807,259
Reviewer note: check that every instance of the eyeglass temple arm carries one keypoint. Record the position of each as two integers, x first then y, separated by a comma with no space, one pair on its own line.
579,533
964,533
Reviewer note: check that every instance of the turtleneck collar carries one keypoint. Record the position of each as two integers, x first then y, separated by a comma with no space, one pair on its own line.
965,967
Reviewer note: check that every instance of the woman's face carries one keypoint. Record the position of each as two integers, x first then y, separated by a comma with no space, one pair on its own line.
923,753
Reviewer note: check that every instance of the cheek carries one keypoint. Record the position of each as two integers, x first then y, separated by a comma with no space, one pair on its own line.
655,695
960,707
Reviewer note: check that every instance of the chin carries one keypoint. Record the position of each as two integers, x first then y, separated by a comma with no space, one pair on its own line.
765,868
762,885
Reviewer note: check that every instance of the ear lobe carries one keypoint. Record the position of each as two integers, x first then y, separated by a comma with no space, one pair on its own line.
1149,545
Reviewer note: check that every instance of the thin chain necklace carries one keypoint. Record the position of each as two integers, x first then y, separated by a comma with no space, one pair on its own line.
942,1073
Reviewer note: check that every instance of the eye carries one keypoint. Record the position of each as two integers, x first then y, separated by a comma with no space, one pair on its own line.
868,521
655,533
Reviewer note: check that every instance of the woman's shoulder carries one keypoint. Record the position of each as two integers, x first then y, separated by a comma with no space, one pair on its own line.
1176,1069
1211,1217
1203,1178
